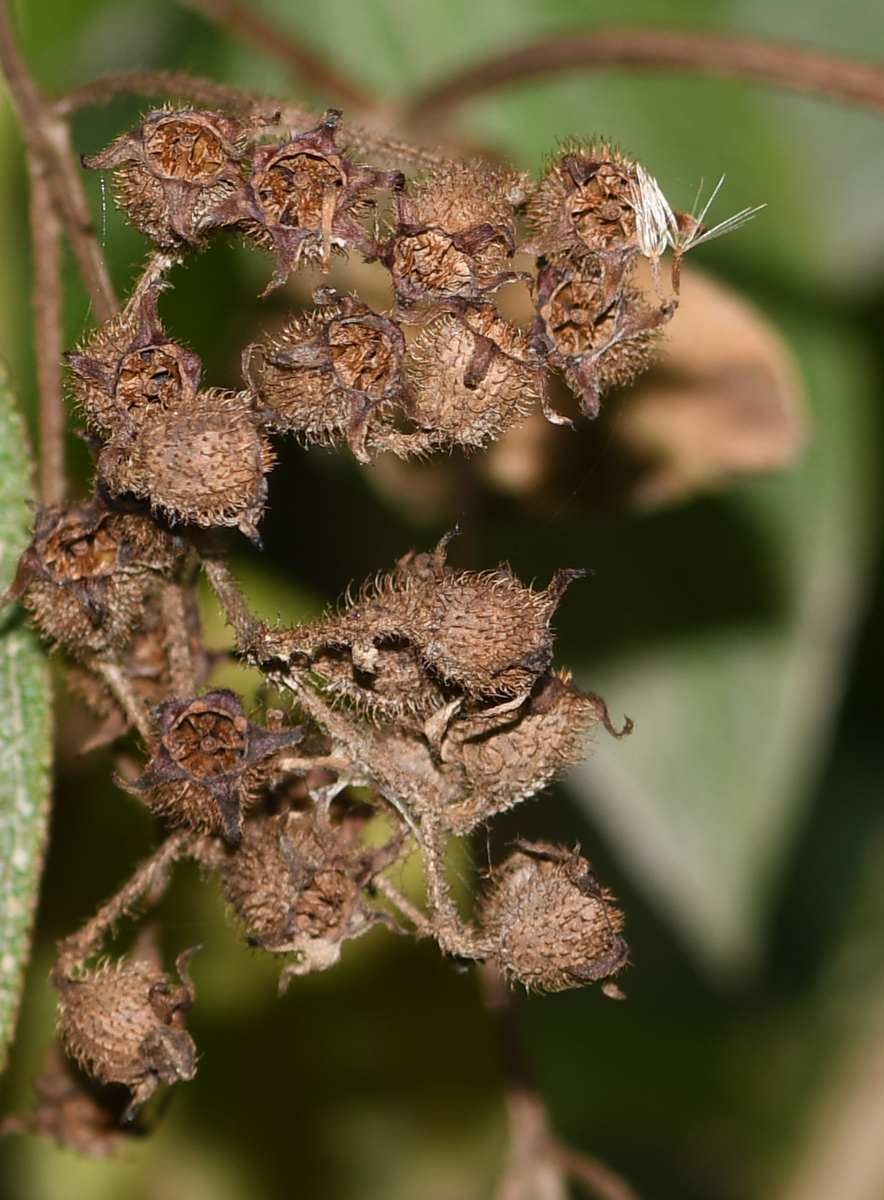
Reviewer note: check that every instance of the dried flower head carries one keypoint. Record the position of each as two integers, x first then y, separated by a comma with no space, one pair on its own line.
128,365
88,573
210,761
597,341
328,374
585,202
472,377
296,881
123,1023
306,198
178,173
455,233
548,922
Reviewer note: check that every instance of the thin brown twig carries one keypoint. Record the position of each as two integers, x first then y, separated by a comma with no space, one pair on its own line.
168,85
46,137
48,332
764,62
148,881
307,64
592,1175
422,926
177,639
128,699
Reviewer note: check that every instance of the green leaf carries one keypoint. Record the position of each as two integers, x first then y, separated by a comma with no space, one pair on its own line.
703,801
25,732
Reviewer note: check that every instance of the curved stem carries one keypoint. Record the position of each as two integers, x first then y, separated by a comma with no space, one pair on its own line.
170,85
308,65
765,62
46,137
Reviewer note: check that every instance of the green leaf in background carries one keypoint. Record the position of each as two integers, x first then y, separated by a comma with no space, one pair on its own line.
25,731
702,802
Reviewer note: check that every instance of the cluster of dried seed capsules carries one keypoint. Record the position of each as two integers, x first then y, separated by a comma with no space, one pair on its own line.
431,690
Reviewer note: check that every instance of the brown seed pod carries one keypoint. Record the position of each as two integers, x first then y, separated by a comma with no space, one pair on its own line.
328,374
454,234
210,761
122,1021
548,923
305,199
585,202
508,757
481,633
128,366
597,342
296,881
179,174
88,573
472,377
203,463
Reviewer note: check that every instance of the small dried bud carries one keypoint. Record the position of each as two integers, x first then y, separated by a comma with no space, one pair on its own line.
88,573
508,757
178,174
123,1023
472,377
585,202
306,199
597,341
296,882
210,761
203,463
128,366
548,922
455,233
327,374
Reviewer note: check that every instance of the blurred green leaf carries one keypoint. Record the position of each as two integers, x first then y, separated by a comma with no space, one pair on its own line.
25,732
703,800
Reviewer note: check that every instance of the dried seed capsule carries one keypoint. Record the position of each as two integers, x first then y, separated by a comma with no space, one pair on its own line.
178,174
296,882
481,633
306,199
88,573
328,373
454,234
210,762
472,377
123,1023
508,757
202,463
128,366
598,342
585,202
548,923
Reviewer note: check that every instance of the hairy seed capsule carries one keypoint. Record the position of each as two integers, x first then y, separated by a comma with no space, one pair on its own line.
455,233
585,202
549,924
88,573
508,757
328,374
472,378
123,1023
598,341
210,761
201,464
178,174
306,199
296,882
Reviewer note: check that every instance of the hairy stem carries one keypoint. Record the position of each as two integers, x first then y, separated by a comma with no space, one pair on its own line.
148,881
764,62
48,332
177,638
